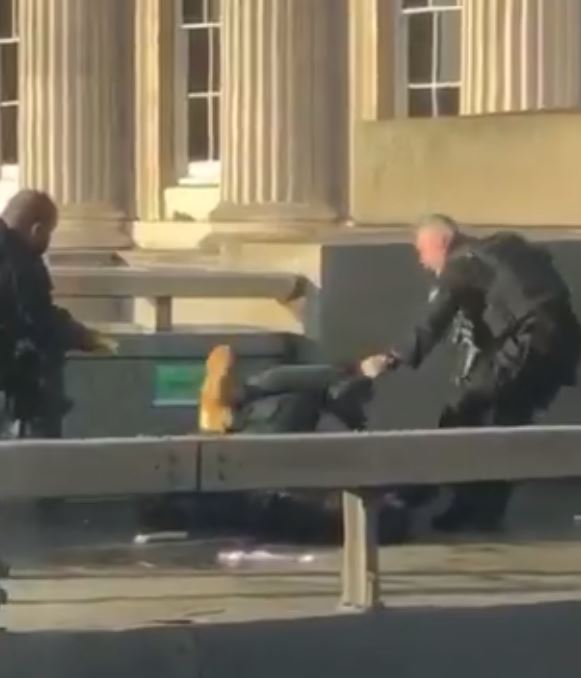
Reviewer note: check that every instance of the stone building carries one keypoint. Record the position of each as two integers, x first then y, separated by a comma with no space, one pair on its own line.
158,124
149,118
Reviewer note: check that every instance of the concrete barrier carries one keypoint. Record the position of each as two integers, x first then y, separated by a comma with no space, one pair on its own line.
510,641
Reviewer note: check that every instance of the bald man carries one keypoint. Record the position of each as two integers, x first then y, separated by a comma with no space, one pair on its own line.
35,334
512,311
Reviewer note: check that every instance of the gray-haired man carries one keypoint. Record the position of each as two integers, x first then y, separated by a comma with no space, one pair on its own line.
515,315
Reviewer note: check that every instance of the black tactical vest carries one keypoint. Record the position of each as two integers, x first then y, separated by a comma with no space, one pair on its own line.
519,278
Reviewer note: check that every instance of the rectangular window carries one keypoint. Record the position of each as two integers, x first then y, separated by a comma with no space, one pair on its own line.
8,82
431,56
201,25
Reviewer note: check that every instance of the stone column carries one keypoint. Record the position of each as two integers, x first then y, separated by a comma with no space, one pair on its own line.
76,140
520,55
155,116
373,64
373,59
284,111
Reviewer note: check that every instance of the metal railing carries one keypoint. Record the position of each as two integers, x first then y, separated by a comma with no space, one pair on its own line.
354,462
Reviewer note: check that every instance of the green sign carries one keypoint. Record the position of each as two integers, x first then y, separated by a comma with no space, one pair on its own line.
178,383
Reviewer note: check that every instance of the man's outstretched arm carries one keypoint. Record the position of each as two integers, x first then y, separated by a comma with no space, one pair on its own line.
56,327
442,307
72,335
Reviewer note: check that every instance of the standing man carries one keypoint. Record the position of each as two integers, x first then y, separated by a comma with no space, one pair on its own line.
512,312
35,335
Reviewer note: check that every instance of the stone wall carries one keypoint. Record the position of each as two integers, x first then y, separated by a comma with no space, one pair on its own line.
513,169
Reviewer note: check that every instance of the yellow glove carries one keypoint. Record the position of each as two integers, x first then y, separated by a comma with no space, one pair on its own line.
104,344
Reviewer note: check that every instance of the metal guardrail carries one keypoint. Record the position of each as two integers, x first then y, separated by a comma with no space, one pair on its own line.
354,462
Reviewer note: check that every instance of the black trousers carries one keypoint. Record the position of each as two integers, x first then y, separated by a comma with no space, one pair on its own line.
54,406
508,386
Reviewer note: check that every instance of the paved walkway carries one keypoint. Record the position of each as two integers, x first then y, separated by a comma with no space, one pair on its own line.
82,571
121,588
86,602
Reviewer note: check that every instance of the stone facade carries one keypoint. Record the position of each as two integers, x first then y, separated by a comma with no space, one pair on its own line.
75,114
520,55
283,119
99,101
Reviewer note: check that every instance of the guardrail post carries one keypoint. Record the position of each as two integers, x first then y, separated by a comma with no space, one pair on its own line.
361,588
163,314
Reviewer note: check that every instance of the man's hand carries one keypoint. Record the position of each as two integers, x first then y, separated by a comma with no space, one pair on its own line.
104,345
376,365
373,366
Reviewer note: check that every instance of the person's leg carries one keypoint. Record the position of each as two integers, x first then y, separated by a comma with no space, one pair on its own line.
54,405
472,407
48,425
490,499
550,355
532,391
505,395
482,505
466,410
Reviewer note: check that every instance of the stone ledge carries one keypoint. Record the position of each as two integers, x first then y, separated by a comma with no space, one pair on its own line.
192,238
86,257
179,283
169,235
87,231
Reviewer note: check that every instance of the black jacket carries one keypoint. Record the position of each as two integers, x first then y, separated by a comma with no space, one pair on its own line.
27,311
496,283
